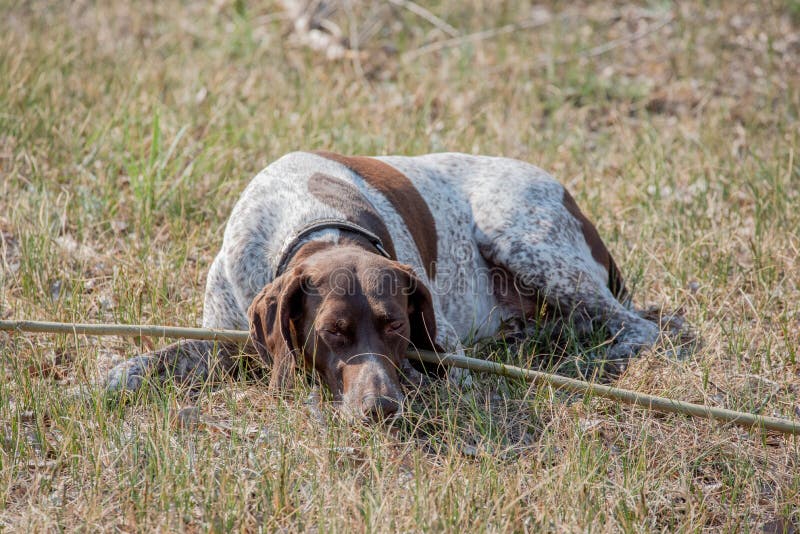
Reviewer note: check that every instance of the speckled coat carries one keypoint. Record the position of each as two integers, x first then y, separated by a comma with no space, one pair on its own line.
492,238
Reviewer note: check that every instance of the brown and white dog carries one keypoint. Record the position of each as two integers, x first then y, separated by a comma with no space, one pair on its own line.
337,264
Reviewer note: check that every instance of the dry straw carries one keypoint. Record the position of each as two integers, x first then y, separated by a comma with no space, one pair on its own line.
650,402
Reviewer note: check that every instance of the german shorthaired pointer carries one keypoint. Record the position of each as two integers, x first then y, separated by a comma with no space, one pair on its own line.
338,264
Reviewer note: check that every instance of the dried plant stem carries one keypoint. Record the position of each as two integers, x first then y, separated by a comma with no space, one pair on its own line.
650,402
420,11
126,330
534,23
472,38
610,45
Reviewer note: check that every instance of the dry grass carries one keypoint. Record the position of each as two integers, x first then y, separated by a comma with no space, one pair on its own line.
127,131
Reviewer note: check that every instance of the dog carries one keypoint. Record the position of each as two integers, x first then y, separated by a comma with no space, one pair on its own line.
338,265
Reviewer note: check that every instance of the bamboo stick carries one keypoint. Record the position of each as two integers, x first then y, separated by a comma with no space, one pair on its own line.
649,402
127,330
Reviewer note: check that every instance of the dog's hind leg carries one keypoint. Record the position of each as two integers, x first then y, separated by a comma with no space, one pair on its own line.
534,230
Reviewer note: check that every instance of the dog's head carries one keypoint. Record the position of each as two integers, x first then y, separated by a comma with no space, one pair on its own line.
349,315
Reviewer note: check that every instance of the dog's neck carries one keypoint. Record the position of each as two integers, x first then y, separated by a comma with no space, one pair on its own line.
344,227
314,243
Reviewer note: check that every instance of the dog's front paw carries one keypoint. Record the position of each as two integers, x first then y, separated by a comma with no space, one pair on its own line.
632,340
460,377
129,375
411,376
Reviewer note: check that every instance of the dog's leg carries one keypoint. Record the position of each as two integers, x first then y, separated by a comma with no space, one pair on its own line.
190,362
530,231
584,300
447,339
187,362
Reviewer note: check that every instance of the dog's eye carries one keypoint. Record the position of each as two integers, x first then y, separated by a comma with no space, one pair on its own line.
394,326
333,332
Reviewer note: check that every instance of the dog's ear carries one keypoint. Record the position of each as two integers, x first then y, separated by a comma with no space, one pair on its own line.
274,316
420,311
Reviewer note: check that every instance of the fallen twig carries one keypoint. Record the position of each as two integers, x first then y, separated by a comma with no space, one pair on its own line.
535,23
427,15
610,45
473,38
650,402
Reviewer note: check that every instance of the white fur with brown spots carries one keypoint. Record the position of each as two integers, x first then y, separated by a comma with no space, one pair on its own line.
489,215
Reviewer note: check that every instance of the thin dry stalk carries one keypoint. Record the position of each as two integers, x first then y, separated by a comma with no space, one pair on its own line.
606,47
482,35
427,15
649,402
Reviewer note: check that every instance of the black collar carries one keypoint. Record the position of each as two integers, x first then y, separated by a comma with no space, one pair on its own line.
325,224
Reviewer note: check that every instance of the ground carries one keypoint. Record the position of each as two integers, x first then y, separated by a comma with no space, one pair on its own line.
128,130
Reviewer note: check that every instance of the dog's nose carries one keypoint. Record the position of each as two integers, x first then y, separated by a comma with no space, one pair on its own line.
377,407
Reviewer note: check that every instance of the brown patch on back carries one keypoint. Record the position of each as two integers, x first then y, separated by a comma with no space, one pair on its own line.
347,199
403,196
599,251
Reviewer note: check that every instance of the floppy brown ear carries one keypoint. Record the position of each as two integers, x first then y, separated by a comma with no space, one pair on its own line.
420,312
272,316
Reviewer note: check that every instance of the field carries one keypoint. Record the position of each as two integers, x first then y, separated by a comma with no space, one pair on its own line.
127,131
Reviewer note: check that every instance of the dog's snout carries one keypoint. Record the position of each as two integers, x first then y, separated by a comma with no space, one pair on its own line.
378,408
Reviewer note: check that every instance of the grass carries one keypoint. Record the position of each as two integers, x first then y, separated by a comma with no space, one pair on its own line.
127,132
